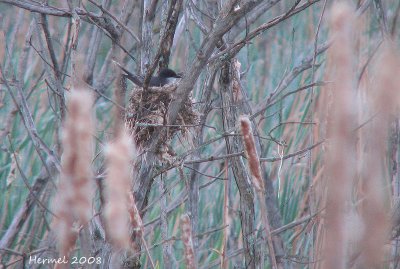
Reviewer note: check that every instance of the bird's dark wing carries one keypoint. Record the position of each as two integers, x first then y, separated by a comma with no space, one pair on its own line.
132,77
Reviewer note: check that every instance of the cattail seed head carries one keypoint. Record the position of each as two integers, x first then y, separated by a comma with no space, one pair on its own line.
251,152
118,185
340,159
75,188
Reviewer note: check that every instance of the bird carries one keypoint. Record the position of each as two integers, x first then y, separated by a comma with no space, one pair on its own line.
166,76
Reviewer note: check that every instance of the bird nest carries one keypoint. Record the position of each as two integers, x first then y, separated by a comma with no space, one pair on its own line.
147,110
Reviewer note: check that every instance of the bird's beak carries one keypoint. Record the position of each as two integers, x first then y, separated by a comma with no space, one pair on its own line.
179,75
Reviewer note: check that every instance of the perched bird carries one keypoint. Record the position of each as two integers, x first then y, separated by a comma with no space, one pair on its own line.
166,76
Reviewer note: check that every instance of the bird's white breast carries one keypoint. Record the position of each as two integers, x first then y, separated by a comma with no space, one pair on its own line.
172,80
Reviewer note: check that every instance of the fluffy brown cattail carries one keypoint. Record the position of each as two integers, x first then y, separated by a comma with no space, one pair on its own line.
75,189
118,184
255,170
188,241
385,96
251,152
383,100
340,160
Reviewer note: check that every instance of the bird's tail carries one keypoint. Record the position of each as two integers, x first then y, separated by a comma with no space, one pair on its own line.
132,77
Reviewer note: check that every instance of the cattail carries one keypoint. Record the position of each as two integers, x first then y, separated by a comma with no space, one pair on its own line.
251,152
67,232
383,99
255,170
385,96
75,189
340,123
188,241
134,216
118,184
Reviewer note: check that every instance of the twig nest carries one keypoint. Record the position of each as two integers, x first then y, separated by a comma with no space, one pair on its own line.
148,109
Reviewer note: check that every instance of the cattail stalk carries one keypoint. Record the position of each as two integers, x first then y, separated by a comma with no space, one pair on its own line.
166,246
255,170
225,261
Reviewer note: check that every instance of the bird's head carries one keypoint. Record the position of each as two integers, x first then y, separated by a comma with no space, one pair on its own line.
168,73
